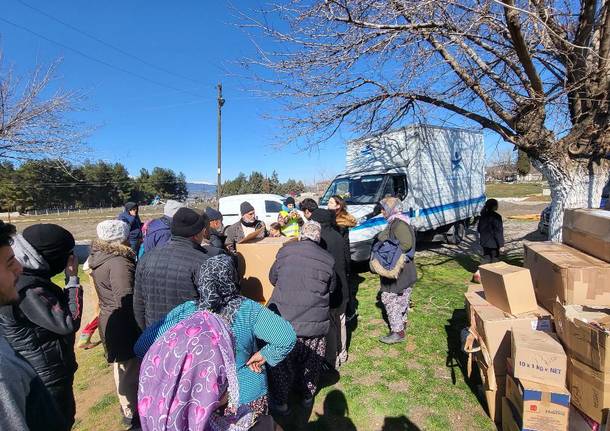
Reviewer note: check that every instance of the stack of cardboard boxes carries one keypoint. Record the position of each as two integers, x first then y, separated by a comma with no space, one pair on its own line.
534,378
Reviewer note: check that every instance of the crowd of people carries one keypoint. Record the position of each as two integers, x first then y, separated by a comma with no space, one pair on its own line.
188,351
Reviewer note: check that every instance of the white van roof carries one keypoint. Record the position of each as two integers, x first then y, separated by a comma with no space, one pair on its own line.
252,196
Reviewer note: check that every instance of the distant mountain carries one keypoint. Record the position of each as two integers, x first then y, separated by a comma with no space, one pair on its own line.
200,189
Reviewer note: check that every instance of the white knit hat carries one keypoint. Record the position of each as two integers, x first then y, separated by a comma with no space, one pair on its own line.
113,230
311,230
171,207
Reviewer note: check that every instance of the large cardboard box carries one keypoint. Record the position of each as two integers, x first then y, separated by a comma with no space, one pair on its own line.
588,230
478,299
585,333
508,287
560,272
254,260
538,357
539,407
590,389
493,327
494,401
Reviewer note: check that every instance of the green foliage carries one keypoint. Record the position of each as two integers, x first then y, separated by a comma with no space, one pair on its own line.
47,183
523,163
256,182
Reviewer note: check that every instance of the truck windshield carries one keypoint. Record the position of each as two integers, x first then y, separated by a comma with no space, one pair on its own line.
356,190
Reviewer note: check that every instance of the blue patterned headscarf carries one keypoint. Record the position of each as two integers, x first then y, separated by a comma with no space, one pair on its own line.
218,287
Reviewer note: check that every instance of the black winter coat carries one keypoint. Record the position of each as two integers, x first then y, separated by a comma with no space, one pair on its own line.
166,277
332,241
41,328
113,269
304,277
217,239
491,230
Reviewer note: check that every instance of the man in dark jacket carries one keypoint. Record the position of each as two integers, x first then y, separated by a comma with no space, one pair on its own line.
41,326
25,402
304,278
131,217
244,227
217,238
159,232
167,276
333,242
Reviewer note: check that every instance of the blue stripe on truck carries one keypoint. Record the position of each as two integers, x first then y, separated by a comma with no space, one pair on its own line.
377,221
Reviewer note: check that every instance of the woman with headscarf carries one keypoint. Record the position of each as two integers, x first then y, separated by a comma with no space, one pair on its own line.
188,379
395,293
248,321
41,327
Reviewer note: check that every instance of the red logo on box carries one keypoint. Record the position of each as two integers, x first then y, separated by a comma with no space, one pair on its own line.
533,408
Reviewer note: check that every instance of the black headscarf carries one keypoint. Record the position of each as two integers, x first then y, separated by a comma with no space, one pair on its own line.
218,288
54,243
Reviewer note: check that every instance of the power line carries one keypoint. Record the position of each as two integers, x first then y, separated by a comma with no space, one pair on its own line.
111,46
105,63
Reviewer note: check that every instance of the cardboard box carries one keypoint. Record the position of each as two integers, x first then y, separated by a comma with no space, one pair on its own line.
562,273
494,402
508,287
588,230
494,326
538,357
539,407
590,389
581,422
476,298
254,260
585,333
509,421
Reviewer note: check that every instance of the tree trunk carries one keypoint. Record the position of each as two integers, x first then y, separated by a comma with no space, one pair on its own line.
573,184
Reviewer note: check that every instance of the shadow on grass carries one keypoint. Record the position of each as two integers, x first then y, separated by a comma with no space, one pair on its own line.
457,359
336,417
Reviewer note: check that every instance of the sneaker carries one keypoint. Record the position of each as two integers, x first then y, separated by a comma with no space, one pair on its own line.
393,338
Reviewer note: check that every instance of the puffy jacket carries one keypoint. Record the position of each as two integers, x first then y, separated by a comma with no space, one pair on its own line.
135,225
304,277
158,233
113,271
405,234
491,230
166,277
41,327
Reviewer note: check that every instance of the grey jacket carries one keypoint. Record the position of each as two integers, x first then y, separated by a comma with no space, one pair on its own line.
25,403
304,277
235,233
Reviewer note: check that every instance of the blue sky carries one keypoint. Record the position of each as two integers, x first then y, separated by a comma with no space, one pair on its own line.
162,119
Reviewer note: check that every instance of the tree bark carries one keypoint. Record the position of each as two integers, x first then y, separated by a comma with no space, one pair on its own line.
574,183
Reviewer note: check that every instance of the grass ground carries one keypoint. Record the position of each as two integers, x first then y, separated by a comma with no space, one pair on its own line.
508,190
416,385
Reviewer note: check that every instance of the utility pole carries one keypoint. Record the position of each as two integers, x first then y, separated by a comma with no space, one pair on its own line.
221,102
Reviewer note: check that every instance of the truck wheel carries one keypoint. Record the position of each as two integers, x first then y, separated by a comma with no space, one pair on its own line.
457,233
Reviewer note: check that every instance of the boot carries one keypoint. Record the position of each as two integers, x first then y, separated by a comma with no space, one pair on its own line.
393,338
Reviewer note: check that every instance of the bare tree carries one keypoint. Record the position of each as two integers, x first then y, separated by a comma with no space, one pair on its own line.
502,166
536,72
34,119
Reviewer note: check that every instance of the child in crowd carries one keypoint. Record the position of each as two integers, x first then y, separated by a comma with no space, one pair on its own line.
275,230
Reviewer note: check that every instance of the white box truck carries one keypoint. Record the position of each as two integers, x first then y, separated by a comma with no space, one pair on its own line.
437,172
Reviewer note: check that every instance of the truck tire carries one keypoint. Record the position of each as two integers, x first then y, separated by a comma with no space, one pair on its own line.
457,233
